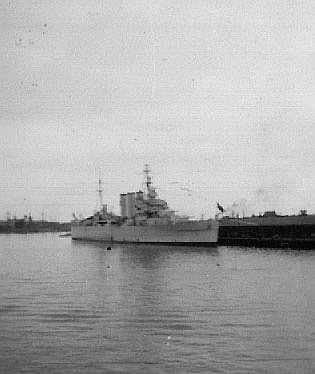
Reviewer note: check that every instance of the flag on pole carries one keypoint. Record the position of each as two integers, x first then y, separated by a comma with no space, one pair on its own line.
220,207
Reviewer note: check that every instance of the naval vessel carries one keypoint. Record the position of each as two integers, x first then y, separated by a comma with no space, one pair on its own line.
144,218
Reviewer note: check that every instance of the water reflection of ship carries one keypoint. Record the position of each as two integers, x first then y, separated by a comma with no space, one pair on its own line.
150,291
144,218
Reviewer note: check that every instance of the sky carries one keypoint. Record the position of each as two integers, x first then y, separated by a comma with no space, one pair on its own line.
216,96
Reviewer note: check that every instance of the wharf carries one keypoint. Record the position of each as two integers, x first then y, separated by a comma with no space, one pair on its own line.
271,231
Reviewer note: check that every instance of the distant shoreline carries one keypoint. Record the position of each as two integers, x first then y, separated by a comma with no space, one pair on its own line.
38,231
24,227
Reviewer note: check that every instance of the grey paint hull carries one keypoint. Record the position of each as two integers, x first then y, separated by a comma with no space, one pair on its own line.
185,233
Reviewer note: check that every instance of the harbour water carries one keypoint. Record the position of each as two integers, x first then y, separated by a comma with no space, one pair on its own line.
75,307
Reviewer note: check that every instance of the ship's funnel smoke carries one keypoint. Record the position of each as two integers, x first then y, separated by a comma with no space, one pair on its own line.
273,197
263,195
238,208
264,198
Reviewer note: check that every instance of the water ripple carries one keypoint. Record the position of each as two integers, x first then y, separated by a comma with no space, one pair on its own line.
75,308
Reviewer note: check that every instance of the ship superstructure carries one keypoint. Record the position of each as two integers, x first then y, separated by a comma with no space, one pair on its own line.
145,208
144,218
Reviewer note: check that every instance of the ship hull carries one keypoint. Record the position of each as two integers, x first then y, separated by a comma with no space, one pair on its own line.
196,233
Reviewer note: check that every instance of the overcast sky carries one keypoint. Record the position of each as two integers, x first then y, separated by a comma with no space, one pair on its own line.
217,96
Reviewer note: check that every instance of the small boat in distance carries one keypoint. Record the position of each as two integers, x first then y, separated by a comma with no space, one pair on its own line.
144,218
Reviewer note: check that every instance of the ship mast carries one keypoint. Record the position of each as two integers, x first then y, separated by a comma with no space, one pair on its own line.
103,207
151,193
148,181
100,192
